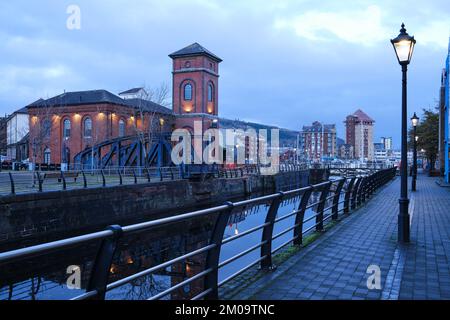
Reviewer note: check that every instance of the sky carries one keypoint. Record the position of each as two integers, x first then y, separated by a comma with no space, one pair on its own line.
286,63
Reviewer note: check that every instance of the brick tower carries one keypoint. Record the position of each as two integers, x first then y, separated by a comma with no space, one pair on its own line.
195,87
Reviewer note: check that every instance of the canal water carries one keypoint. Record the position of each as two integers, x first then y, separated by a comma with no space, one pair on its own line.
46,278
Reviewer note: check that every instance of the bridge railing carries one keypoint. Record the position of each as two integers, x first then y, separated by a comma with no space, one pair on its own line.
336,198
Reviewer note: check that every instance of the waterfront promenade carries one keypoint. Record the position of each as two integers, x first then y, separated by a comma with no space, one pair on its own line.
335,266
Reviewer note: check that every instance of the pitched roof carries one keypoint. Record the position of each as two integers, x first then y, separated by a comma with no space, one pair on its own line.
148,106
22,111
79,98
194,49
362,116
98,96
131,91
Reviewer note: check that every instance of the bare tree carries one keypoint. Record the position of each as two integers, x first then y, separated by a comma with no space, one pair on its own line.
150,122
40,130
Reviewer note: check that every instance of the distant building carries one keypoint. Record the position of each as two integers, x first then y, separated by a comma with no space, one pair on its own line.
3,135
359,134
17,129
380,151
442,111
319,141
387,143
445,118
346,152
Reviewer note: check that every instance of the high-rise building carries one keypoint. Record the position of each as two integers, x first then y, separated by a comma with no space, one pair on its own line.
319,140
359,134
387,143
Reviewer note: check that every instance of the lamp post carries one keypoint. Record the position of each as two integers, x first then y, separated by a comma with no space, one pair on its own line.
404,47
415,122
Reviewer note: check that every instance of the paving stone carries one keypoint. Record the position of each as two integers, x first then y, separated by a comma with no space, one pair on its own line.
336,266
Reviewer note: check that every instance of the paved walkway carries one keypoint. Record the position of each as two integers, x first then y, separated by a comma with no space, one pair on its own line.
335,266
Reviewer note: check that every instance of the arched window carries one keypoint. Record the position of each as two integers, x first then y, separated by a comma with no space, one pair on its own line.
66,129
121,128
47,156
210,93
188,92
87,128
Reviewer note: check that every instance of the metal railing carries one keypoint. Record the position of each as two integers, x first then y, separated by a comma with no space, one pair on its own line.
337,197
12,183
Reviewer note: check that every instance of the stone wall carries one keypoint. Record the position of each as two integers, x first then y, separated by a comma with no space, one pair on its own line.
59,214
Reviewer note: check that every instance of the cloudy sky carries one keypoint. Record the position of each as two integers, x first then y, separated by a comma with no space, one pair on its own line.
286,63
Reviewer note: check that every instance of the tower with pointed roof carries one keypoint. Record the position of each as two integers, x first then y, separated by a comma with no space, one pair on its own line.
195,86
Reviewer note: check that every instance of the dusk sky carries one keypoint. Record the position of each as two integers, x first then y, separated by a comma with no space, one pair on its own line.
286,63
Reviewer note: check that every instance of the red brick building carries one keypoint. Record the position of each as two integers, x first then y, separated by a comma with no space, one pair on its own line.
63,126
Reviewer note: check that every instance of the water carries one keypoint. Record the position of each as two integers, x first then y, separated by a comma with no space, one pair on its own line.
45,278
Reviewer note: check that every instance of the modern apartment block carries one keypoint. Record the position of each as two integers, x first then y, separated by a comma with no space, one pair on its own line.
319,141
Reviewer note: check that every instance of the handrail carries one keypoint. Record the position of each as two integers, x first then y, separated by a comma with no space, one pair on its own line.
355,195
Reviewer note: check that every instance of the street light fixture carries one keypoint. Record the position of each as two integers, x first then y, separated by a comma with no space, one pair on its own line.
404,47
415,121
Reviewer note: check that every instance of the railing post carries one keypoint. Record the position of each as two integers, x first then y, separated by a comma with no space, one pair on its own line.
337,197
98,279
120,177
171,174
212,260
38,175
348,195
63,178
11,180
321,206
361,193
266,249
149,178
300,217
373,182
84,180
355,193
160,174
103,178
135,177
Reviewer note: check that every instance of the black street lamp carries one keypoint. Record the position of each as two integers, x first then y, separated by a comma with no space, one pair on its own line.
415,122
404,47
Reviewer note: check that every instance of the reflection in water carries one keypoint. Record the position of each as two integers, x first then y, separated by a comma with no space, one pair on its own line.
45,278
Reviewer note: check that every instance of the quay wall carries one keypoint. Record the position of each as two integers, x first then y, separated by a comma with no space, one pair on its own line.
48,216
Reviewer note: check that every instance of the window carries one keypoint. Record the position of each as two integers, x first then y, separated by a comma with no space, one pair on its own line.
87,128
46,128
188,92
210,93
66,129
121,128
47,156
